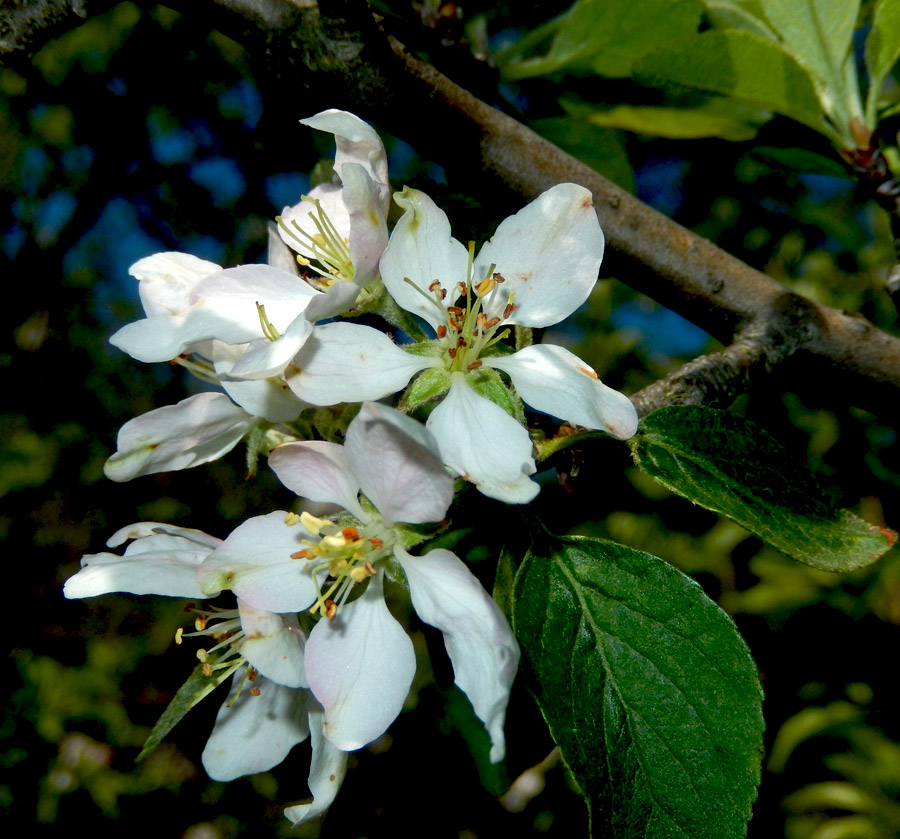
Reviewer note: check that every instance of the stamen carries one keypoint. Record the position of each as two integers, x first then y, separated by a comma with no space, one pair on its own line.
268,330
291,519
498,277
442,331
510,308
474,365
330,609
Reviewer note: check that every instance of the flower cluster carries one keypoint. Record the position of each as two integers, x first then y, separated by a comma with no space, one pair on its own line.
310,646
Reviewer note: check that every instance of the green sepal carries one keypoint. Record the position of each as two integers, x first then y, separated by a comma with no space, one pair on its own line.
648,689
729,465
380,303
197,687
256,442
486,382
427,386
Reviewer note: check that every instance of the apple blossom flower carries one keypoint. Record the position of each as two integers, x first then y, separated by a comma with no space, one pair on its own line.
269,708
359,661
342,226
540,265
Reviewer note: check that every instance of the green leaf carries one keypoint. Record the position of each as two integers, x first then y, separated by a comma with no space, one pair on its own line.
729,465
726,14
461,718
603,36
676,123
197,686
648,689
741,65
600,148
882,52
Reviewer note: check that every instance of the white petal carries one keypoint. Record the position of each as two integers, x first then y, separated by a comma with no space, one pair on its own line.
155,528
264,358
422,250
339,297
553,380
481,646
167,280
273,644
357,142
297,220
319,471
255,563
326,771
360,667
397,462
347,362
255,733
484,444
197,430
368,228
269,398
549,254
159,563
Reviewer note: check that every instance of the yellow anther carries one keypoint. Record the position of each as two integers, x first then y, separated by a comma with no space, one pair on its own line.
337,567
203,656
291,519
334,542
311,523
485,286
178,635
360,573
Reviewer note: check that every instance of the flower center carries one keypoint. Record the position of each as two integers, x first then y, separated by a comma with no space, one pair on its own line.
346,556
326,246
468,332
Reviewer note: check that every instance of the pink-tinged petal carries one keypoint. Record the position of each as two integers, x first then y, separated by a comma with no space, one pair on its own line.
273,644
368,227
326,770
318,471
197,430
422,250
397,462
255,563
347,362
484,444
158,563
553,380
481,646
549,254
360,667
264,358
255,733
356,142
168,279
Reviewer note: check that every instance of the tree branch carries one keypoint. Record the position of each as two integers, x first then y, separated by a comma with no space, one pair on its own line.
336,52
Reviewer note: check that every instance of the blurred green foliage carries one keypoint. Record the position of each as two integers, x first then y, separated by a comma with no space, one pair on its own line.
138,132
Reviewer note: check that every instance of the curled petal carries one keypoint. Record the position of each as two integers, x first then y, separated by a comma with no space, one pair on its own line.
197,430
553,380
548,253
484,444
273,644
255,563
320,471
265,358
152,528
399,469
422,250
168,279
279,255
360,667
478,639
368,227
253,733
156,563
269,398
347,362
356,142
326,770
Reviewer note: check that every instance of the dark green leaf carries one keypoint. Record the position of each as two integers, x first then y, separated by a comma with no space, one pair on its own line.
460,716
648,689
729,465
802,161
197,686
